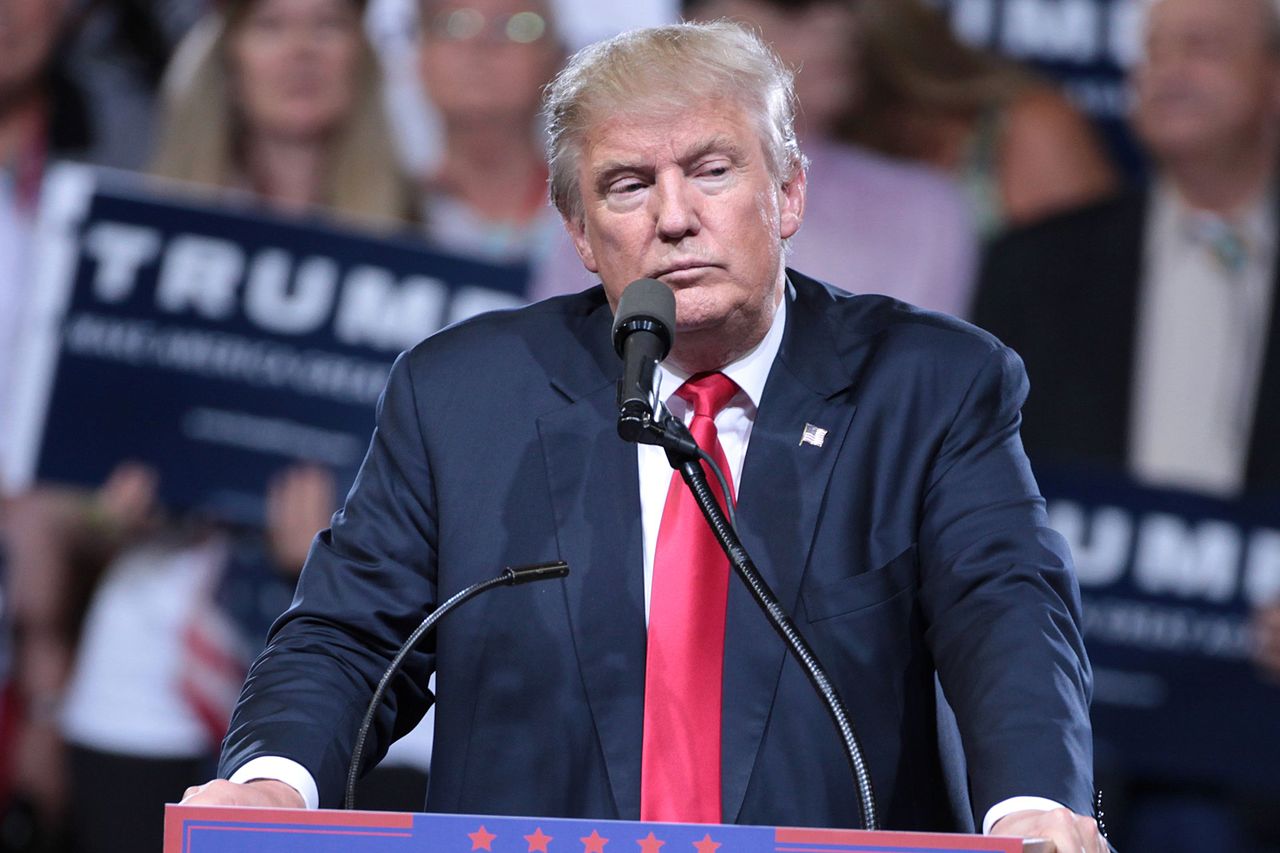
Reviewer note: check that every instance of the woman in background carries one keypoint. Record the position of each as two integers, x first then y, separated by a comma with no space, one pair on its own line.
1019,149
282,99
277,102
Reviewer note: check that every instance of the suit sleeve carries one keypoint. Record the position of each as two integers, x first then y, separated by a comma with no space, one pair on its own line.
368,582
1002,604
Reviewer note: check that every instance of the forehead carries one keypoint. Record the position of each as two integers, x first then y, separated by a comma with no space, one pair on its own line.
649,136
1247,21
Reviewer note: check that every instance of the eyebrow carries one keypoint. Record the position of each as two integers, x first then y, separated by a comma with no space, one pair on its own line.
609,170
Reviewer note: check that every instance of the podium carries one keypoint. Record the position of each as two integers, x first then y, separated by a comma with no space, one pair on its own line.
216,829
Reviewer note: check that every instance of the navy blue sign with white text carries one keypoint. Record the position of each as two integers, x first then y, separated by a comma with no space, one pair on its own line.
1168,581
220,345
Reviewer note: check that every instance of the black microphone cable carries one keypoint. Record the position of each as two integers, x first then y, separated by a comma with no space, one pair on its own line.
511,576
685,456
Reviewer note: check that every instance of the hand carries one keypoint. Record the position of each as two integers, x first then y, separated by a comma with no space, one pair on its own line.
300,503
1068,831
258,793
127,500
1266,625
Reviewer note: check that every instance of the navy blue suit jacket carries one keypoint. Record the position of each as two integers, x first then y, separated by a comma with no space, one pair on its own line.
912,540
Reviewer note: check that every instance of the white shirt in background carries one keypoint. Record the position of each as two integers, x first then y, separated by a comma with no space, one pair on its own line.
1203,316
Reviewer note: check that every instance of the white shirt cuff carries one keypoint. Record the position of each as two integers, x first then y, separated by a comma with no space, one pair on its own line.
283,770
1016,804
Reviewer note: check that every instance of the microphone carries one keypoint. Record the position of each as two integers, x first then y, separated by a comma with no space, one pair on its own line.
643,330
511,576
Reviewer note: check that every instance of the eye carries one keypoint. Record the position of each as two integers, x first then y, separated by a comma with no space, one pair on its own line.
626,186
714,169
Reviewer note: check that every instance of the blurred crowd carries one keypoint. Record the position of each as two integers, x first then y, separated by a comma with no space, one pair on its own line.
939,173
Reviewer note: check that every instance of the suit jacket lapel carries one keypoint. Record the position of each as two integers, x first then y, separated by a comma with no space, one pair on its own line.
782,488
595,496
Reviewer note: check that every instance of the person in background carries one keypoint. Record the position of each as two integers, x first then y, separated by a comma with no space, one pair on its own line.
43,117
483,65
183,605
275,101
1155,312
874,225
1148,323
1018,148
280,99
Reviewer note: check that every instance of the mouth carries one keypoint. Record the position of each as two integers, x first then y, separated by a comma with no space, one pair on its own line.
683,271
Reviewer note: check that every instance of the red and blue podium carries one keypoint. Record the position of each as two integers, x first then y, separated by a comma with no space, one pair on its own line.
211,829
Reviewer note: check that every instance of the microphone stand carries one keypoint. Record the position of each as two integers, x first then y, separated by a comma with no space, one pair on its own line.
685,456
511,576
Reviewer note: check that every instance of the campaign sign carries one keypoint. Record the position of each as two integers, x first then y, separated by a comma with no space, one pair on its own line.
217,345
1168,580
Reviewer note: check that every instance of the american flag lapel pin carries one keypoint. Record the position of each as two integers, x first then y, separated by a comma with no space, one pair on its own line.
813,435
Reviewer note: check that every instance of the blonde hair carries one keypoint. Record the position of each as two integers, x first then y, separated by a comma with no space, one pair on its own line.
200,126
910,61
663,70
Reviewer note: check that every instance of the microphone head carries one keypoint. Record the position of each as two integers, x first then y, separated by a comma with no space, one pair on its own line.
647,304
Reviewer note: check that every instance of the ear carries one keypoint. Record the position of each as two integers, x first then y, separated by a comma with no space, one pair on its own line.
791,204
577,228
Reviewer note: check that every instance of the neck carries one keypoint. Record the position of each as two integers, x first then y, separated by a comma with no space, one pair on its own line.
1225,179
288,173
21,119
493,170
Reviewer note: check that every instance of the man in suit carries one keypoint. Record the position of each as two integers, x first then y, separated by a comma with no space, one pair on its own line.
1150,324
1149,321
884,496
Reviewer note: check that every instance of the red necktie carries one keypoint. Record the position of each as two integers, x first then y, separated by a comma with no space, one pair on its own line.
680,759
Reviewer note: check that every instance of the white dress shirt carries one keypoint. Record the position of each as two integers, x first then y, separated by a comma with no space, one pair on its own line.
733,424
1203,316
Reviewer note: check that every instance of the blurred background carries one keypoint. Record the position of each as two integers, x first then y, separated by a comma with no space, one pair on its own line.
220,220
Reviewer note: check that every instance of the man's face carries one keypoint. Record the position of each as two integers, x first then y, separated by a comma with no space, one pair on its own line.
1210,79
486,60
689,199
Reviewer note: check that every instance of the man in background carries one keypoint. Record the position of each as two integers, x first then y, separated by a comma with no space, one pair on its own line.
1149,324
1150,320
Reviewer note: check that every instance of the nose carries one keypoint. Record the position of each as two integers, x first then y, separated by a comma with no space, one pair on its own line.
675,205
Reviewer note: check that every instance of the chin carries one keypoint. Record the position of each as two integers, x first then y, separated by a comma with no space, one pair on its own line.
694,313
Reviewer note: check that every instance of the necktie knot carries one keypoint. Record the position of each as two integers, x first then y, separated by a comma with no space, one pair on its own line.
708,393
